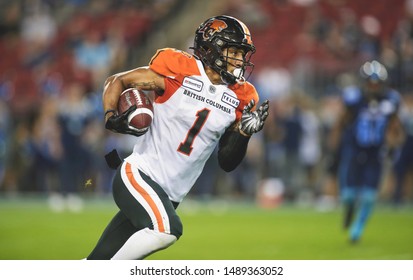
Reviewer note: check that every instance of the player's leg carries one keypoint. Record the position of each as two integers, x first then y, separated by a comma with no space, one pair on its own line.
122,240
368,197
146,223
149,209
115,235
347,177
348,198
371,177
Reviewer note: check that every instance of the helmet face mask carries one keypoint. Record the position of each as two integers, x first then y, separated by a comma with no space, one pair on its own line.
212,40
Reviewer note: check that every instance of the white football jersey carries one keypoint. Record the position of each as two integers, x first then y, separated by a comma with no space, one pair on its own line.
189,119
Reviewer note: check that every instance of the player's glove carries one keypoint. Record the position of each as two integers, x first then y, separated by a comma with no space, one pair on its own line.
119,123
252,122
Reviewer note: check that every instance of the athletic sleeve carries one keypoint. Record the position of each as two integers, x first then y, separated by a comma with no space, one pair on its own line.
232,149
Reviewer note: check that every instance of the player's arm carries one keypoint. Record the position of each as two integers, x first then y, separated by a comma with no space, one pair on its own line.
232,148
142,78
233,144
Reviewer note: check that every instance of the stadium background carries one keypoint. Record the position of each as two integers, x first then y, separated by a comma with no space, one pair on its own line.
278,205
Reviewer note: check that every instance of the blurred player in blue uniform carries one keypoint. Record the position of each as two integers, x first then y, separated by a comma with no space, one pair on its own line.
368,131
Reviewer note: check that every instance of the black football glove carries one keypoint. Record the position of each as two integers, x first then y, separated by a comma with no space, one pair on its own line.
252,122
119,123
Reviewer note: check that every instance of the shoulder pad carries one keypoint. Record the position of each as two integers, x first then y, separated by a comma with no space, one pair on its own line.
393,96
245,92
171,62
351,95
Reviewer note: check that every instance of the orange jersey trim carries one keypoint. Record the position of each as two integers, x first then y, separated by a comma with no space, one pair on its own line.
145,196
245,93
172,62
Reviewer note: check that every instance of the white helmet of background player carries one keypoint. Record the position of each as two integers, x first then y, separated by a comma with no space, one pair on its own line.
218,33
374,76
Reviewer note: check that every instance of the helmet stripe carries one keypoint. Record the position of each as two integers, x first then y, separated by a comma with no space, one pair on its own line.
247,33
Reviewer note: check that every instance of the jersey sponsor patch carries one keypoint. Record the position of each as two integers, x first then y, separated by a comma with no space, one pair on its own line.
230,100
208,101
191,83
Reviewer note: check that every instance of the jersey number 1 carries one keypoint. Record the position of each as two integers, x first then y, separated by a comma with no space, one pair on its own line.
201,117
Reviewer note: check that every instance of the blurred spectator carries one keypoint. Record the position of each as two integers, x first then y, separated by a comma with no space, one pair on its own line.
10,19
94,54
330,109
292,133
38,30
243,180
4,137
38,27
310,148
273,152
74,117
273,83
369,46
46,148
403,167
253,13
19,159
208,182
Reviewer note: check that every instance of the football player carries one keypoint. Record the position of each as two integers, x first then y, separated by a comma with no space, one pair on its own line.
201,100
368,131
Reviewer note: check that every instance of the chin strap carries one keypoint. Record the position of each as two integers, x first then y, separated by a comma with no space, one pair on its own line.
241,80
231,79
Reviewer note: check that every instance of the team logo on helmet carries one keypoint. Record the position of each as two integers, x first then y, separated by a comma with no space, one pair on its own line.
211,27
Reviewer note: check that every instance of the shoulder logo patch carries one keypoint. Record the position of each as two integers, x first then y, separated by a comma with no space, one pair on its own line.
191,83
230,100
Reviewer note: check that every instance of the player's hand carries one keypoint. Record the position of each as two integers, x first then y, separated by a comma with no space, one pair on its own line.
119,123
252,122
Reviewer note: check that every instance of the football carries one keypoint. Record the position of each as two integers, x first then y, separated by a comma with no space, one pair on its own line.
139,120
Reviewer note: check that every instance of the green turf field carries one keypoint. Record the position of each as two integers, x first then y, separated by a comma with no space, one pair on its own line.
219,231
